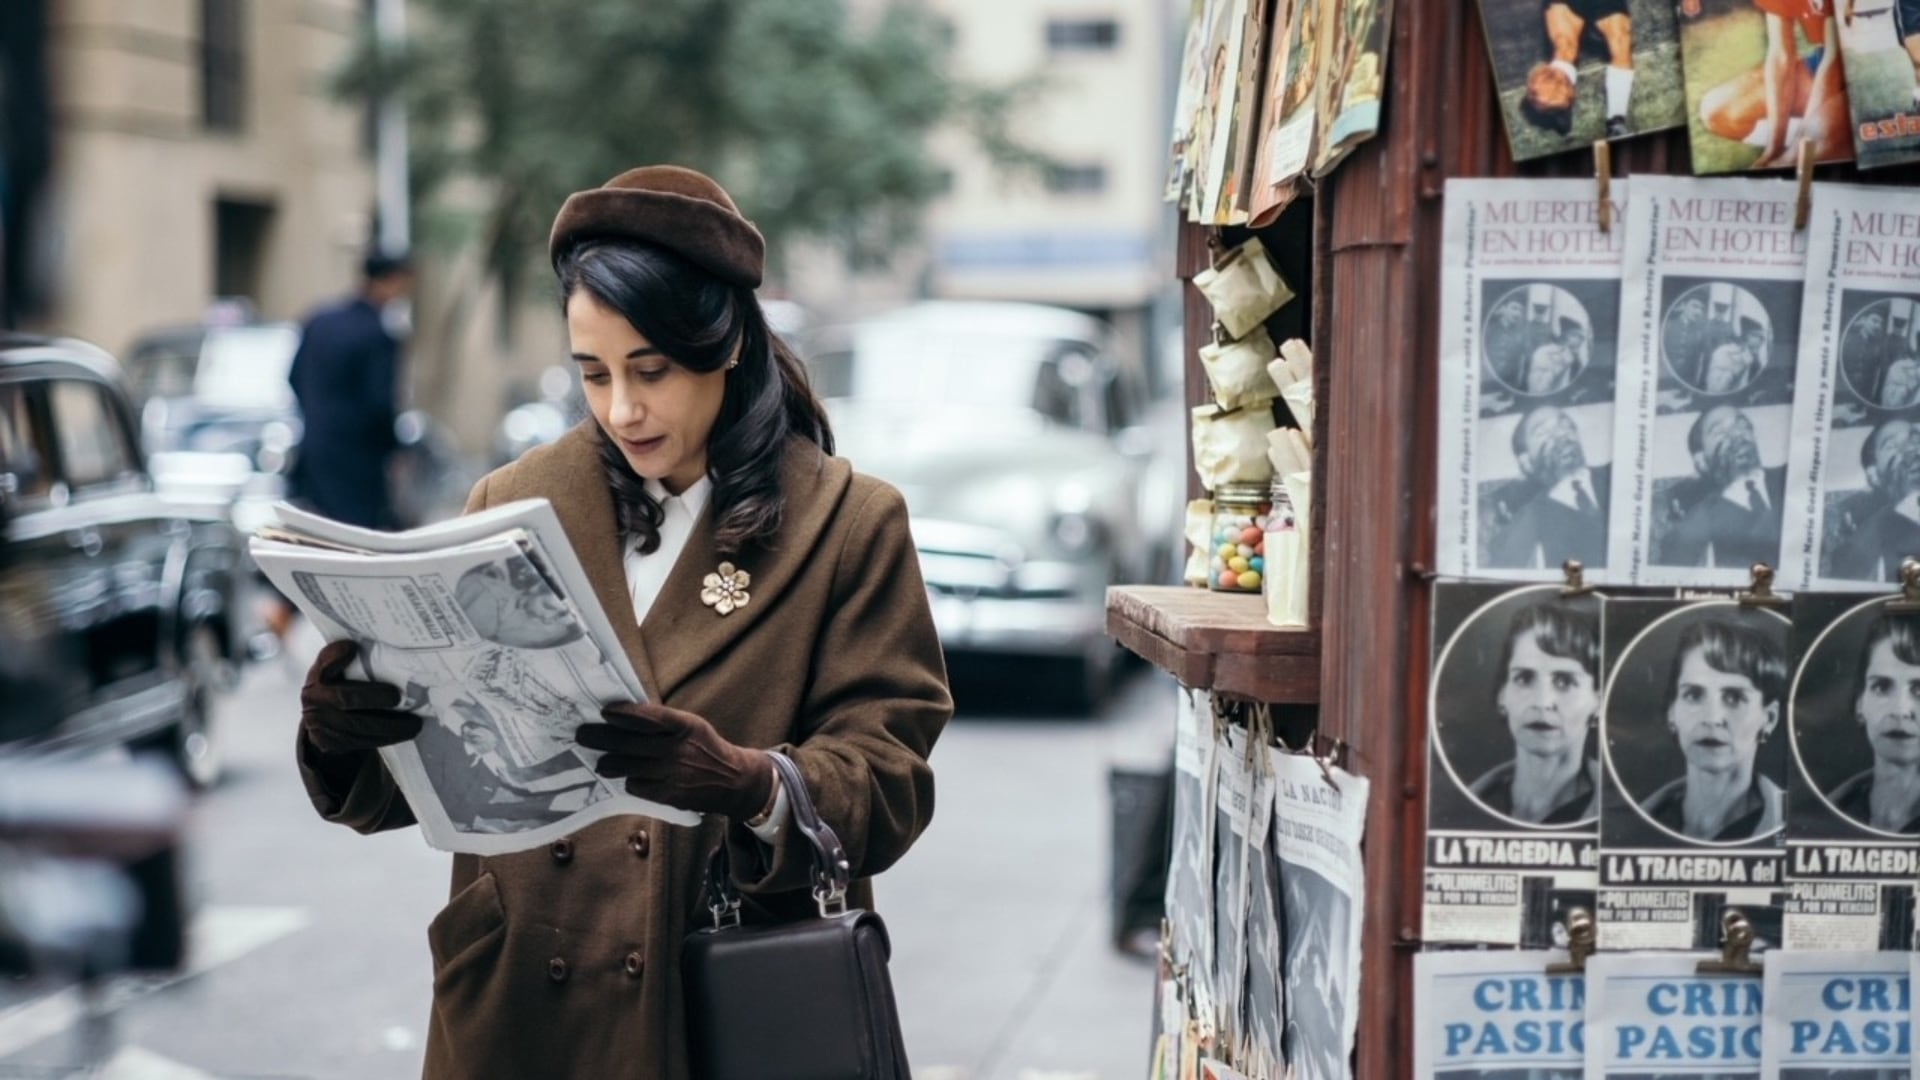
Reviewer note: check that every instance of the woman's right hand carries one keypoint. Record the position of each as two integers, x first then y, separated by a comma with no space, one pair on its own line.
339,716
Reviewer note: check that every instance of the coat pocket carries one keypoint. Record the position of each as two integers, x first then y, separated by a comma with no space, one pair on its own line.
468,929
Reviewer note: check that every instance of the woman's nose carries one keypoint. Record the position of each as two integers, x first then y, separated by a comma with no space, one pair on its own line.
628,409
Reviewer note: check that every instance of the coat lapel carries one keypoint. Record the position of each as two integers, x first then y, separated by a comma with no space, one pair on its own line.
682,633
581,499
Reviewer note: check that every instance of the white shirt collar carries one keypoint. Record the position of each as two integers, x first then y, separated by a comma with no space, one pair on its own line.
1909,508
647,574
694,499
1563,492
1737,493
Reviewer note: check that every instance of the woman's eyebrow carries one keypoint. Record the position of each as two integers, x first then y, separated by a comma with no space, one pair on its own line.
644,350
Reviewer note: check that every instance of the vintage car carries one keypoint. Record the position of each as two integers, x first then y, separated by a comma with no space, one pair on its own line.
1015,433
120,608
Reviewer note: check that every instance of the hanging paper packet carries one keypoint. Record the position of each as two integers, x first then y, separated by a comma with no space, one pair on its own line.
1237,370
1199,533
1231,445
1243,288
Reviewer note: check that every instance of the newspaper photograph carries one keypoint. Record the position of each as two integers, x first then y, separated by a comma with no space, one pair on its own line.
1233,817
1266,1019
1853,483
1284,145
1575,72
1710,334
1190,874
487,642
1318,821
1513,747
1834,1015
1652,1016
1530,317
1693,729
1352,79
1498,1016
1853,809
1880,48
1762,77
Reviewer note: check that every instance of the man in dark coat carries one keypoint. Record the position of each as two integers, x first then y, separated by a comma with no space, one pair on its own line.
1891,458
1735,520
1566,517
345,378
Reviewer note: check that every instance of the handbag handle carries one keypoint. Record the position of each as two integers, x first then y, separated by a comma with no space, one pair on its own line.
832,873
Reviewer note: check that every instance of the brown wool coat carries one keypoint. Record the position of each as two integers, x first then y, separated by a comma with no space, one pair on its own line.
564,961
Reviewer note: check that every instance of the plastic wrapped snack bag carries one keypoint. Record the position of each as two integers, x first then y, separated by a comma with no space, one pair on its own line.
1199,532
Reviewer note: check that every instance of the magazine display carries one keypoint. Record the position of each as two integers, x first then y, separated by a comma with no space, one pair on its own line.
488,626
1498,1014
1835,1015
1657,1016
1880,48
1739,118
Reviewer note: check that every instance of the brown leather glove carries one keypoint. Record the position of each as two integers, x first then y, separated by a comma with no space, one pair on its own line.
677,758
338,716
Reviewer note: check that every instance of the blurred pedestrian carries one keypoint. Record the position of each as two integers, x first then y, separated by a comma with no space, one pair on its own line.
345,377
767,596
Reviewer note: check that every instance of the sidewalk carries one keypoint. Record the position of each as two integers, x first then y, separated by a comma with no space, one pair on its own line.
999,915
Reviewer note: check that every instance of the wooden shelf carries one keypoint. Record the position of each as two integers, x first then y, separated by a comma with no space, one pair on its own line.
1216,641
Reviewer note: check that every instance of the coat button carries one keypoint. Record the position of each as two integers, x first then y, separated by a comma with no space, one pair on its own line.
557,970
638,841
563,851
635,964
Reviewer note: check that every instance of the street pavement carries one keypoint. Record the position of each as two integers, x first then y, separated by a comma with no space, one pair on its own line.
310,955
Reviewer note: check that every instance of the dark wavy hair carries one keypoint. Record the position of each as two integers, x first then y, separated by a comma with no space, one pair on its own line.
1562,629
697,321
1732,648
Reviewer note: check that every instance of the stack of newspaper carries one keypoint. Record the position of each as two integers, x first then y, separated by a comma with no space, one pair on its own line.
488,626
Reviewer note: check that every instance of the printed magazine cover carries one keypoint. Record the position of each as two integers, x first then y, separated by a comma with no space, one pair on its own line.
1710,336
1285,143
1838,1016
1352,78
1655,1016
1529,321
1486,1015
1740,119
1573,73
1853,816
1513,795
1853,483
1696,770
1880,41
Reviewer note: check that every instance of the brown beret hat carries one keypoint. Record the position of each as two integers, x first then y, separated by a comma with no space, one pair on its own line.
675,208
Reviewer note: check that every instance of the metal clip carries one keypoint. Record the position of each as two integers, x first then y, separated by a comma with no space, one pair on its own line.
1909,600
1576,584
1760,594
725,916
1581,934
1736,941
1803,176
1603,183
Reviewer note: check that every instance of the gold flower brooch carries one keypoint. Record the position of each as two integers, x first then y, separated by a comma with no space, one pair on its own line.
726,590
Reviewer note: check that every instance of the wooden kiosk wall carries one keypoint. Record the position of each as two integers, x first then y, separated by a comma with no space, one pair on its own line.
1375,288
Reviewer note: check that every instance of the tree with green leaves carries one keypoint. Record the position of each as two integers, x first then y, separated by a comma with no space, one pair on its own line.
815,121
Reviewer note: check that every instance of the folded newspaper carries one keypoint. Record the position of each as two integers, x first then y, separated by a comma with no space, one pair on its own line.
488,625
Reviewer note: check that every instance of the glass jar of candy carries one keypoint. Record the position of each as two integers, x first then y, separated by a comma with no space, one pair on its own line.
1238,562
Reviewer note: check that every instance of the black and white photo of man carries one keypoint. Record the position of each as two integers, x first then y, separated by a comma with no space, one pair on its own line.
1734,518
481,792
1538,339
1565,517
1724,698
1886,712
1880,353
1890,458
1548,697
1716,338
509,603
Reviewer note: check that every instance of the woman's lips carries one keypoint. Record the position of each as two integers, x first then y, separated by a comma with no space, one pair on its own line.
642,446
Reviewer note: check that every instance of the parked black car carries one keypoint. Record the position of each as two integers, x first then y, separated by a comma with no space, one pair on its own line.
120,608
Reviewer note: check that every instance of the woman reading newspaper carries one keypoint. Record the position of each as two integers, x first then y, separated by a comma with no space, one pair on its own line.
776,603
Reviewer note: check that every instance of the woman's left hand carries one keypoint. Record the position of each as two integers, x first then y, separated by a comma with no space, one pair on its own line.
677,758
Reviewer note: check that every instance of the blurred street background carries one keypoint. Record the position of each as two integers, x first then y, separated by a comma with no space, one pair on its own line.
968,248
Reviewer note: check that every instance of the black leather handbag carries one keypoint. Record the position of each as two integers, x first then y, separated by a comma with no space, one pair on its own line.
802,1000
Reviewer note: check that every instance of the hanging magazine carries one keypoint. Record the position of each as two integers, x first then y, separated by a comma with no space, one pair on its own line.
1529,321
1880,41
488,626
1655,1015
1853,484
1480,1015
1709,343
1763,76
1838,1016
